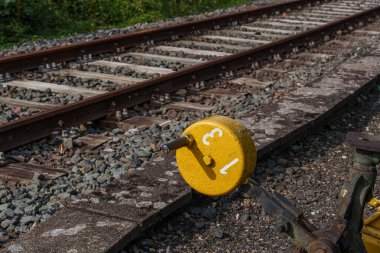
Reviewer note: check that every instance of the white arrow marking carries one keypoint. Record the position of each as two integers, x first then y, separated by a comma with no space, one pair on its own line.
225,168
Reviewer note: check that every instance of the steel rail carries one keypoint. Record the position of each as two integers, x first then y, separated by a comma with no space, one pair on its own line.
38,126
35,59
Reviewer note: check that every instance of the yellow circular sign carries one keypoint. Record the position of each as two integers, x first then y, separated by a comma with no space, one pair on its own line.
222,155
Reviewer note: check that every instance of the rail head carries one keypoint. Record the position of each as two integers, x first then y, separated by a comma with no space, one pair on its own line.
33,60
43,124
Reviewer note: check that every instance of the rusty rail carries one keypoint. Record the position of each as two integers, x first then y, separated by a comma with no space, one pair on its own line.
35,127
33,60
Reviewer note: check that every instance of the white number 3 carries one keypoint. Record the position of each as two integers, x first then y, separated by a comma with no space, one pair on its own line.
211,135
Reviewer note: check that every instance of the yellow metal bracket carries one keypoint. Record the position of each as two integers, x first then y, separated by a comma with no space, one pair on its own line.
371,229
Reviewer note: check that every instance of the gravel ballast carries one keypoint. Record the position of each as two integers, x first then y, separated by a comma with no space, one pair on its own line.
89,170
68,40
310,174
23,207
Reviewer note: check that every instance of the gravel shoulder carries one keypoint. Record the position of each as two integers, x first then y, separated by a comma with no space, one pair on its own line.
313,172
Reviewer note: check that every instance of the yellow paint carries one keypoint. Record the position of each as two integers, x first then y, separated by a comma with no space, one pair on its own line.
208,160
374,202
371,229
221,157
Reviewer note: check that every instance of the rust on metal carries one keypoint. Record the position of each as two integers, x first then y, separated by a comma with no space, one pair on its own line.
41,125
344,233
364,141
32,60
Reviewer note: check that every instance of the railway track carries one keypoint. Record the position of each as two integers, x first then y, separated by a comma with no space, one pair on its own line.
231,69
150,71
